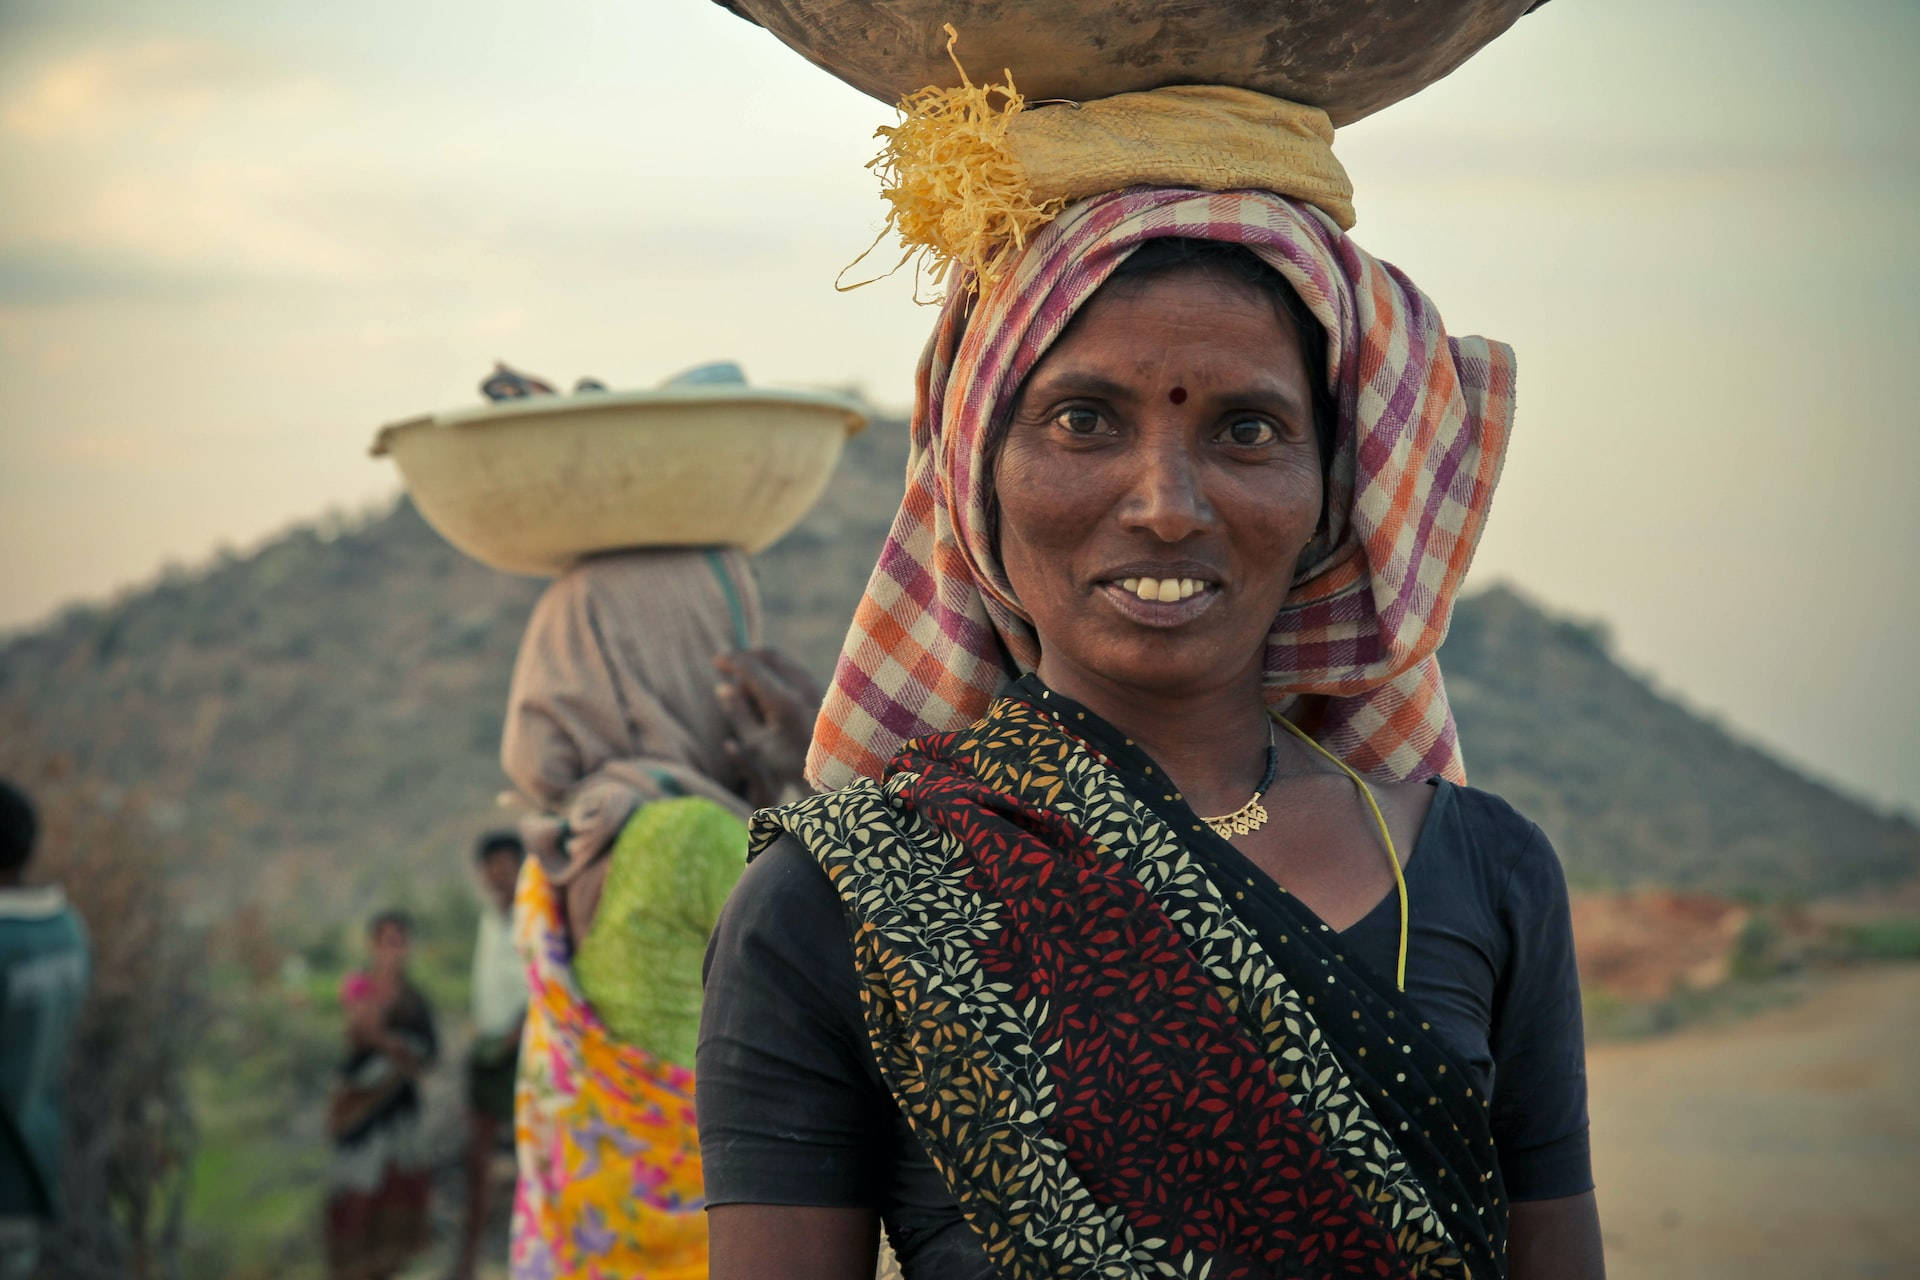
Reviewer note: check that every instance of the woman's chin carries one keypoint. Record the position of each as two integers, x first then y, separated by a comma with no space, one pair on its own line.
1163,666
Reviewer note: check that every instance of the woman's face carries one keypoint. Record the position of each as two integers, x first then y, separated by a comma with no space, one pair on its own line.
390,946
500,871
1157,484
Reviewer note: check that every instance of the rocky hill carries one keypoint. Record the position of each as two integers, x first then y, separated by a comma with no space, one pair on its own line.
1633,787
320,717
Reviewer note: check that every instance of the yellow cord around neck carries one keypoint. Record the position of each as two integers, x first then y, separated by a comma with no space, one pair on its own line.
1393,858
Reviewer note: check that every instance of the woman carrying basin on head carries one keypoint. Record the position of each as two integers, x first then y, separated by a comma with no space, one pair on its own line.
633,724
1151,930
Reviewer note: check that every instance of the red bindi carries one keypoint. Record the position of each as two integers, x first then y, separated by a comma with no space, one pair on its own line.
1178,395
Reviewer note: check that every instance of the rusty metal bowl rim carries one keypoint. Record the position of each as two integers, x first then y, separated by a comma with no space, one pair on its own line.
1344,106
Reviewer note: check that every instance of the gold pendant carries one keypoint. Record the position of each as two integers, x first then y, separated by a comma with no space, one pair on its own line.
1245,820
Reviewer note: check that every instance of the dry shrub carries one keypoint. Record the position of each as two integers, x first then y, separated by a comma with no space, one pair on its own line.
130,1125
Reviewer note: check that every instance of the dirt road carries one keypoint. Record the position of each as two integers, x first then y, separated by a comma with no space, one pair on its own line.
1779,1148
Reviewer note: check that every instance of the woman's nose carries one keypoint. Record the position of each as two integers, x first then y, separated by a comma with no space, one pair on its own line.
1167,498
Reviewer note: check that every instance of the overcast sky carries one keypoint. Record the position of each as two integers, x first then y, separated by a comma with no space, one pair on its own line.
235,237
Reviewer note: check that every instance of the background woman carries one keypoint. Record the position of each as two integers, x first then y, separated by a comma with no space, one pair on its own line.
635,724
1121,977
377,1211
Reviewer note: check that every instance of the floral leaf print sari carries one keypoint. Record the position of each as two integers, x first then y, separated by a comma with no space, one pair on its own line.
1128,1052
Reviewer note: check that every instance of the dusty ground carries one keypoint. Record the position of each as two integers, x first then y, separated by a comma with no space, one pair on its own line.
1783,1147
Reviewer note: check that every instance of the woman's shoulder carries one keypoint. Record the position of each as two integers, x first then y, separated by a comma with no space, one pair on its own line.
783,910
779,972
1489,813
783,881
829,818
1490,832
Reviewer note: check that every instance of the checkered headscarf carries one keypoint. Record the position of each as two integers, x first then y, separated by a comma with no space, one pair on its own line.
1424,420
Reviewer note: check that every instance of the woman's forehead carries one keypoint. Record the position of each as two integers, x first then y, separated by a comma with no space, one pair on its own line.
1186,325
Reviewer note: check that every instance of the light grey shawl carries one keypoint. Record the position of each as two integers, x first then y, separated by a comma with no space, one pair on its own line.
613,701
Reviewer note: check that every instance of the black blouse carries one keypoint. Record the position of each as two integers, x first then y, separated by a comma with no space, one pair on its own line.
792,1109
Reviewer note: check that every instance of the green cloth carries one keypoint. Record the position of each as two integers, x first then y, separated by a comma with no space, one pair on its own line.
674,864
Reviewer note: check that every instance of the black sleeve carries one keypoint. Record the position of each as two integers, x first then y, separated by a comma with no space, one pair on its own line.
1539,1049
790,1105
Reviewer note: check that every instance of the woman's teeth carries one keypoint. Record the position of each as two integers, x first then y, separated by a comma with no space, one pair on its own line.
1162,589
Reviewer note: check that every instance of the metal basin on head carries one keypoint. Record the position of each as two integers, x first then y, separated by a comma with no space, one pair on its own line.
530,486
1348,57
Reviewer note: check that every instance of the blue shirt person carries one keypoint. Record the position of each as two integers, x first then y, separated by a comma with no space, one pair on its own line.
44,971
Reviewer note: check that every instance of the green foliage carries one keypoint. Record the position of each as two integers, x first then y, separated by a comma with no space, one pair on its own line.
253,1201
258,1180
1893,939
1612,1017
1757,951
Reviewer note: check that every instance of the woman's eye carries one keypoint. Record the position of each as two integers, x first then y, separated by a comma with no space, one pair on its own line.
1250,431
1080,421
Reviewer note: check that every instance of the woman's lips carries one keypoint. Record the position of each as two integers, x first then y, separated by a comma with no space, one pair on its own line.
1189,599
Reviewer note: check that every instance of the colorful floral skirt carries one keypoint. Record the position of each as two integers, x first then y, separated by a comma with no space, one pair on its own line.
609,1157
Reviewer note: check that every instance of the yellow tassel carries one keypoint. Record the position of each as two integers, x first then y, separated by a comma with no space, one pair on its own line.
957,196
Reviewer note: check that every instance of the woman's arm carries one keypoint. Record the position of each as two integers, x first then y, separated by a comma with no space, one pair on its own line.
406,1059
348,1108
771,701
794,1242
366,1017
1555,1240
794,1120
1540,1083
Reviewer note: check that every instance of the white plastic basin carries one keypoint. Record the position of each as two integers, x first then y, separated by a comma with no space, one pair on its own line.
530,486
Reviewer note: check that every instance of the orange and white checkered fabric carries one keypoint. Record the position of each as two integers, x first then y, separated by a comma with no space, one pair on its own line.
1424,422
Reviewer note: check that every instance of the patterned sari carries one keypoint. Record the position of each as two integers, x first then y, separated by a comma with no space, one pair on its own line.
609,1185
1128,1052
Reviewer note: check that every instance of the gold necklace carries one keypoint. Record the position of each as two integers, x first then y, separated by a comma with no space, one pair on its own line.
1252,815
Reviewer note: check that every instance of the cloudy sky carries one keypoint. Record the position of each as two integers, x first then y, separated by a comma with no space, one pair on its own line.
237,236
